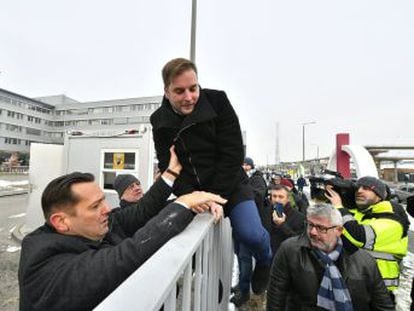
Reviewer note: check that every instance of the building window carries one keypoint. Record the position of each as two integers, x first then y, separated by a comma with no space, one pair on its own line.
94,122
31,131
116,162
13,128
5,99
17,103
58,123
106,122
12,141
123,108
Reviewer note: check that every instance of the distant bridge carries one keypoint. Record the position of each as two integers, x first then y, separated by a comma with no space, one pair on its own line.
378,153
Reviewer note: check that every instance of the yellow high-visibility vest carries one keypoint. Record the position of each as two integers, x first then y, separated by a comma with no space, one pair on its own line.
384,240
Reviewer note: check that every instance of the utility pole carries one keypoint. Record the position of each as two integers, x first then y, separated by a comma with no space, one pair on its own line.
193,31
303,138
277,150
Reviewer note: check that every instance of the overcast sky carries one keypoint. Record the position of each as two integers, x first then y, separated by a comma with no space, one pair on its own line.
347,65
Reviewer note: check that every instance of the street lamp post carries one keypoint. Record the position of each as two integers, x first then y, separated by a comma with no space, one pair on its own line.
303,138
193,30
317,151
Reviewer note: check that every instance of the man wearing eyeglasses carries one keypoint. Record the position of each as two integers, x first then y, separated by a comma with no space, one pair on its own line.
376,225
317,271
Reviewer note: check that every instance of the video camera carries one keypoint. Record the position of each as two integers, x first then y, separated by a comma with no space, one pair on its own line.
346,188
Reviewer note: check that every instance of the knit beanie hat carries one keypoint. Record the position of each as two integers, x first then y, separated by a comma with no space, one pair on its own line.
374,184
249,161
286,182
122,182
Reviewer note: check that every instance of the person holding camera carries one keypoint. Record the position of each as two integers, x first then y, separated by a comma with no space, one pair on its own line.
376,225
287,220
317,271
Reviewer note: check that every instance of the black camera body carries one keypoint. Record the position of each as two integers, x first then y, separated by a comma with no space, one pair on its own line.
346,188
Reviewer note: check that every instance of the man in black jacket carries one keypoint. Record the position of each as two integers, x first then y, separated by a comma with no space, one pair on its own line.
129,189
317,271
289,222
204,128
84,250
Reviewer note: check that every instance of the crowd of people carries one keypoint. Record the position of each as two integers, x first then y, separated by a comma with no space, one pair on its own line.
319,256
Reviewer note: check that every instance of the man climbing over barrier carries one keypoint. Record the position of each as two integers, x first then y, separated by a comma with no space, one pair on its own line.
204,128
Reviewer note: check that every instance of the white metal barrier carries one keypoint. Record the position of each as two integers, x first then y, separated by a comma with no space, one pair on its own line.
200,259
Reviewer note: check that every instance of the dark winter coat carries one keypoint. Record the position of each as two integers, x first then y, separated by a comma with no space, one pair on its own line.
294,225
259,187
209,145
62,272
301,202
123,203
301,182
296,275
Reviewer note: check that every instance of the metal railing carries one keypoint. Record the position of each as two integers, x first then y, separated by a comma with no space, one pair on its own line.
200,260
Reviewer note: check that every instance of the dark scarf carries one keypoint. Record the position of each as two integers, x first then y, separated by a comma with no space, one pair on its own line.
333,293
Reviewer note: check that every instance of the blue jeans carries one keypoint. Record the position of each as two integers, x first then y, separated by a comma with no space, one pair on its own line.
244,257
249,231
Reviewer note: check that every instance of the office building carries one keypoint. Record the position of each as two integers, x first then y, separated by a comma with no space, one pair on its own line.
24,120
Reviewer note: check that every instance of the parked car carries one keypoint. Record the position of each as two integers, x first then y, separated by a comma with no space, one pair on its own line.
402,192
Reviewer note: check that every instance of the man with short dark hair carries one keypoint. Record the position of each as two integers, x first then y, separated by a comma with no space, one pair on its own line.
85,250
204,128
129,189
297,200
376,225
316,271
287,220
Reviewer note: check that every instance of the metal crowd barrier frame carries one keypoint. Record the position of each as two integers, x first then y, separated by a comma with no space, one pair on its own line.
154,284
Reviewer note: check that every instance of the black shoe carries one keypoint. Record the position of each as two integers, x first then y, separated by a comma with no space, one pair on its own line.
234,289
260,278
239,299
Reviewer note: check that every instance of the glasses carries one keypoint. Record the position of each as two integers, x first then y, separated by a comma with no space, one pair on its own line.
319,228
